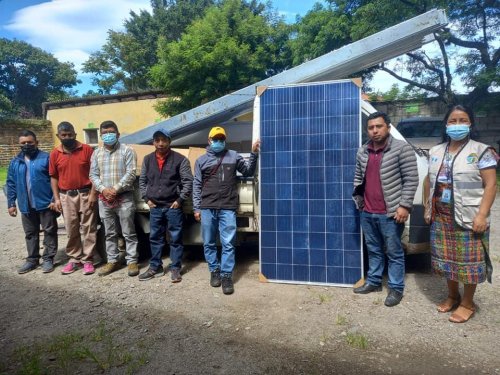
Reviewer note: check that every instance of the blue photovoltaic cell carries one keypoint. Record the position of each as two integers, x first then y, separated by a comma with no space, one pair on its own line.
309,228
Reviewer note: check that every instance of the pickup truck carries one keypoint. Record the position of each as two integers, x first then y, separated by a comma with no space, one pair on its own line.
415,236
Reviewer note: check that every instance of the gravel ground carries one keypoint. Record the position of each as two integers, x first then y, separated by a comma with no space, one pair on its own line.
86,324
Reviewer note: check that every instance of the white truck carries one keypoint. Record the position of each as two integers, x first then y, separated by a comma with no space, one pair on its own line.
415,236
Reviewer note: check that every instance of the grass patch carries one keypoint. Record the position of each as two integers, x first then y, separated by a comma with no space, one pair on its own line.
323,339
324,298
357,340
341,320
98,351
3,175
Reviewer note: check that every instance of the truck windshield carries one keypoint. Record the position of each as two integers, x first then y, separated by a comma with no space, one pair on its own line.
420,129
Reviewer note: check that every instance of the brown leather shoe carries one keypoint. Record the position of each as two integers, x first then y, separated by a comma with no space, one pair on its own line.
108,268
133,269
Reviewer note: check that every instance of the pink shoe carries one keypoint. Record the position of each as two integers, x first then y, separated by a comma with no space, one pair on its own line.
70,268
88,269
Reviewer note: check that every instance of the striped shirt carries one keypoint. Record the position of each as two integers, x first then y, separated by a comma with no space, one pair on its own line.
113,168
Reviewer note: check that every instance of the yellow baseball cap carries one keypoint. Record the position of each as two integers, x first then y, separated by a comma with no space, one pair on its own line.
217,130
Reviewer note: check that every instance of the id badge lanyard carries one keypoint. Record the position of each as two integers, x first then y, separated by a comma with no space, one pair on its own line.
448,164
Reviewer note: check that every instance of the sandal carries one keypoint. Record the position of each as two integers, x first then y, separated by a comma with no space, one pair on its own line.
462,314
449,304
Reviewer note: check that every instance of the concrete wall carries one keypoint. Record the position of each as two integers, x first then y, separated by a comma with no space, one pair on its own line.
488,123
9,137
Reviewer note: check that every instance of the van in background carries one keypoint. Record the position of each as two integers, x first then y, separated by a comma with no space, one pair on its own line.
422,132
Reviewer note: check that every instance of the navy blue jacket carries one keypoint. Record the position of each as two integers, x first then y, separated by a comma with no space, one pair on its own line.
40,182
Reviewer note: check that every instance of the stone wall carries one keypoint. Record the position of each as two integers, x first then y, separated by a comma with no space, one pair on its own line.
488,122
9,137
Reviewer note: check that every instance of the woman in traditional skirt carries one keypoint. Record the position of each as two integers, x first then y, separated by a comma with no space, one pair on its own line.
461,188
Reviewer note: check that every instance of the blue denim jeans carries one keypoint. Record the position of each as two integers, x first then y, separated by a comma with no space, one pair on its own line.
161,219
380,231
224,221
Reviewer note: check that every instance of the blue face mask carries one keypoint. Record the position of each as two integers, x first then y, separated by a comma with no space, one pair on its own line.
109,138
217,146
458,132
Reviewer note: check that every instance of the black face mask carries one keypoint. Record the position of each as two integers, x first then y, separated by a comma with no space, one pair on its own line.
29,150
69,143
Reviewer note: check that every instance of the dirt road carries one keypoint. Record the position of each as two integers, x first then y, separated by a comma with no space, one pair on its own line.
85,324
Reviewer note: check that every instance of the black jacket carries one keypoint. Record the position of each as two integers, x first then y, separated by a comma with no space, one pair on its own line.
173,183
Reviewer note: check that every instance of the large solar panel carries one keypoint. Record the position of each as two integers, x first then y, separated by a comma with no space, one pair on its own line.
309,228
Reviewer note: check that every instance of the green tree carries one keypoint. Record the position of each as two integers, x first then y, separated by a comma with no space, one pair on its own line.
123,63
323,29
6,107
396,93
236,43
468,50
320,31
30,76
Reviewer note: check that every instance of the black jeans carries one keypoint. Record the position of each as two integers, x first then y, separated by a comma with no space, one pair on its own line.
32,221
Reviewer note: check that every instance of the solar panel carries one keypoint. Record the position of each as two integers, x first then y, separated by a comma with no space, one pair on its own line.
309,229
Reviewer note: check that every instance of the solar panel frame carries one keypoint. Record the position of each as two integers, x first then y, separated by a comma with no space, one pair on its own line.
310,134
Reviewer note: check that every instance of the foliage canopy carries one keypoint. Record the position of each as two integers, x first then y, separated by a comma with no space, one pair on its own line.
233,45
30,76
123,63
467,52
320,31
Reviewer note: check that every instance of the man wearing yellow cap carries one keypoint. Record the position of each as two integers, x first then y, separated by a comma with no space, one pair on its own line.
215,200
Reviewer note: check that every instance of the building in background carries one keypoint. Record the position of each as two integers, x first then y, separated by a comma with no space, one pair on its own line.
131,112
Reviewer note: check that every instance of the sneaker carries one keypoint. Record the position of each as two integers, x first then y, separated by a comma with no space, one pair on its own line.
215,278
47,266
175,275
88,268
133,269
27,267
227,284
151,273
108,268
70,268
